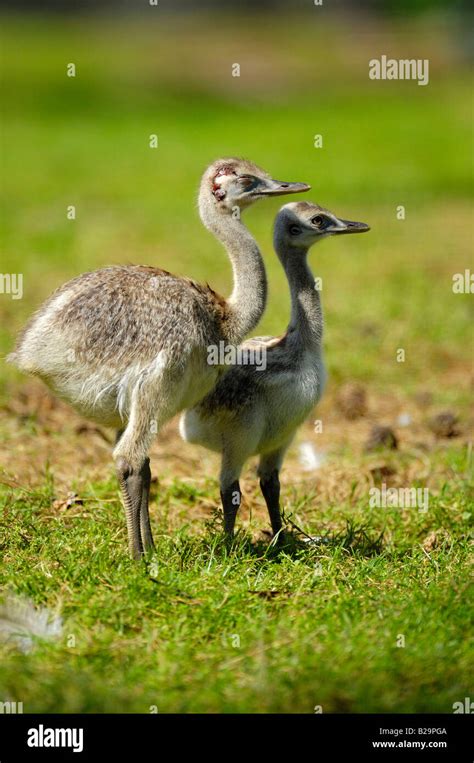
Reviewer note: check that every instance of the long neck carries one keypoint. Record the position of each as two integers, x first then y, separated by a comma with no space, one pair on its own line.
249,295
306,322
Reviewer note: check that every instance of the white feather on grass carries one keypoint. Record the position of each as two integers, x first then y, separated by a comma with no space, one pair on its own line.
21,622
309,458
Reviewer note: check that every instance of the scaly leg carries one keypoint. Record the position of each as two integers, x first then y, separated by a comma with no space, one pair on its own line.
133,485
145,528
268,471
270,486
231,495
148,413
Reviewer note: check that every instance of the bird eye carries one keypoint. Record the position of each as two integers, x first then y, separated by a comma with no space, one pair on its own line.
246,180
294,230
318,221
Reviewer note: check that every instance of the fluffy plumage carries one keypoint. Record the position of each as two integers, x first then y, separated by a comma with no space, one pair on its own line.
127,346
252,411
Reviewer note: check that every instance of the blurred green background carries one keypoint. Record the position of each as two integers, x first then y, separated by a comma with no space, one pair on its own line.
84,141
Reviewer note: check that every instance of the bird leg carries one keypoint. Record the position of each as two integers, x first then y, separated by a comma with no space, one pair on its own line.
135,486
145,528
231,497
268,471
270,487
155,399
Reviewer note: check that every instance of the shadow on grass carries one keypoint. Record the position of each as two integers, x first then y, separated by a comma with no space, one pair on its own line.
356,540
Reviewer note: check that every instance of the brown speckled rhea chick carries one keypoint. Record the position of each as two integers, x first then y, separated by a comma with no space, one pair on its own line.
127,346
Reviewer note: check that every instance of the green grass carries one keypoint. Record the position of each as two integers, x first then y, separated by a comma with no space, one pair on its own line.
199,628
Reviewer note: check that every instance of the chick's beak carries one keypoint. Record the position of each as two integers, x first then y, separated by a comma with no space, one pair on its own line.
349,226
280,188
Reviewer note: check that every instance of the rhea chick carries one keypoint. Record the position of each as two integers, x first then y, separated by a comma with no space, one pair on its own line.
256,410
127,346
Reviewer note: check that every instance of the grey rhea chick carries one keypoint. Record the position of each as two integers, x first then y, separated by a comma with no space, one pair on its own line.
127,346
255,409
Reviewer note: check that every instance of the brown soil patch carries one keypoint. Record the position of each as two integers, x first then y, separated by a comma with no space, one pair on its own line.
41,432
